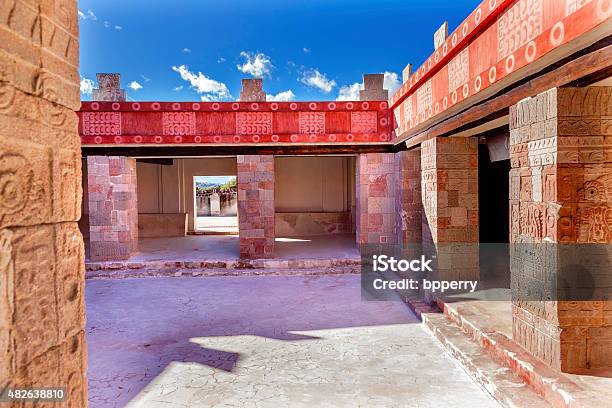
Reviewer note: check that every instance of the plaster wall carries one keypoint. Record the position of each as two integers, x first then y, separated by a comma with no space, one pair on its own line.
307,185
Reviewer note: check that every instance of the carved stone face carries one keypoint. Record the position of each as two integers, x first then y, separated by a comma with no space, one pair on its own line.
15,183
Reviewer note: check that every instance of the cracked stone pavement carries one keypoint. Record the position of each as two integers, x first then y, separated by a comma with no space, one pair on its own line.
263,342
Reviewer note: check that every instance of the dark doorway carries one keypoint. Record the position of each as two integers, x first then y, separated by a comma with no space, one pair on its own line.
493,197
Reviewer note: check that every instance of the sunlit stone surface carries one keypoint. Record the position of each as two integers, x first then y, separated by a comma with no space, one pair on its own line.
263,341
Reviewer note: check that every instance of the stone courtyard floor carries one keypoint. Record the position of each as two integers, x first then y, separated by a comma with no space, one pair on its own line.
269,341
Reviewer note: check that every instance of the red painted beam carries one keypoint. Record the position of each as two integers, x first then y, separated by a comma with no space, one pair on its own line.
497,40
229,123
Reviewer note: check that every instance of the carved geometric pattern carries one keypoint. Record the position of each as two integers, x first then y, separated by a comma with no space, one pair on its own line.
178,123
571,6
458,70
408,109
363,122
254,123
102,123
312,123
520,24
424,98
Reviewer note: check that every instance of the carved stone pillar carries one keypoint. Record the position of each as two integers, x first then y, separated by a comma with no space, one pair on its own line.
42,310
560,194
255,184
113,207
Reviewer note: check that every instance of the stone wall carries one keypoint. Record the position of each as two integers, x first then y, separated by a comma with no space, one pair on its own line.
162,225
408,204
113,207
560,192
255,183
297,224
42,312
449,188
375,202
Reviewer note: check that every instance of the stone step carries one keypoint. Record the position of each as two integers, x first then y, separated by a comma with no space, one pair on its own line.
497,380
131,269
555,387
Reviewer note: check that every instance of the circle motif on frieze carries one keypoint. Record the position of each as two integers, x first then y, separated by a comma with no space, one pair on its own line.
492,74
155,105
293,106
274,106
235,106
331,106
530,51
557,33
176,106
136,106
510,63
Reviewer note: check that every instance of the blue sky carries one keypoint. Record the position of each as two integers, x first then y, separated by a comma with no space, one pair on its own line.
188,50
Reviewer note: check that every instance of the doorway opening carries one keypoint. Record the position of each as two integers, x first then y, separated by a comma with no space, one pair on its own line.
216,204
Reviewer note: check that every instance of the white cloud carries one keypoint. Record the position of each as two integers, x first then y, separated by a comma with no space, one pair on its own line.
87,86
106,24
316,79
135,85
391,82
220,60
89,15
178,88
257,65
284,96
349,92
145,78
186,50
212,90
306,50
118,27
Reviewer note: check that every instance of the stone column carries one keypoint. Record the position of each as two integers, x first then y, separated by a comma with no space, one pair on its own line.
561,192
113,207
449,188
215,204
252,90
42,311
408,203
109,88
255,184
373,88
374,193
375,209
